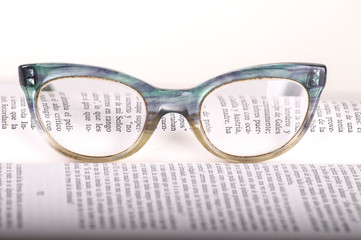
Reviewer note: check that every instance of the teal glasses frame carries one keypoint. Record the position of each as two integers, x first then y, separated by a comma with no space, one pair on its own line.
187,102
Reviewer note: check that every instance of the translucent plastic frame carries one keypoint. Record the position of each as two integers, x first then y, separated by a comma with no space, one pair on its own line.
162,101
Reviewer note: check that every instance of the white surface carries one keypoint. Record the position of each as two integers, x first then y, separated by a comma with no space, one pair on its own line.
178,44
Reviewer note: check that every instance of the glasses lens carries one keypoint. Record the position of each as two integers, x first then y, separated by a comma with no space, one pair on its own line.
254,117
91,116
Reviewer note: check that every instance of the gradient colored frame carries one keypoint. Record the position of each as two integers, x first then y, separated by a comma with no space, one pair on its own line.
162,101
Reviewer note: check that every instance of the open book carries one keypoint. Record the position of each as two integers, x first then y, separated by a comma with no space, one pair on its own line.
333,135
173,188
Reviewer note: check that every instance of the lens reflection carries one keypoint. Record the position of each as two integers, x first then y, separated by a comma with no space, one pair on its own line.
91,116
254,117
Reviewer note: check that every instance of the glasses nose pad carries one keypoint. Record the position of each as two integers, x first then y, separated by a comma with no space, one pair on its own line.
174,122
174,140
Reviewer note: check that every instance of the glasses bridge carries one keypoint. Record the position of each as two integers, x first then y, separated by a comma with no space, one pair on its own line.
176,101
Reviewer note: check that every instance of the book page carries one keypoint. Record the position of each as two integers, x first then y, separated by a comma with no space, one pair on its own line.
332,136
180,200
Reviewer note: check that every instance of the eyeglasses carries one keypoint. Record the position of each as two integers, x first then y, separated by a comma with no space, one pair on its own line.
96,114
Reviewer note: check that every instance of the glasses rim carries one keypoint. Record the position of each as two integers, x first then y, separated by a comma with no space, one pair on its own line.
71,153
260,157
34,77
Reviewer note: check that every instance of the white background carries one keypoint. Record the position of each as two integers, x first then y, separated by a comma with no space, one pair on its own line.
179,44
